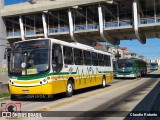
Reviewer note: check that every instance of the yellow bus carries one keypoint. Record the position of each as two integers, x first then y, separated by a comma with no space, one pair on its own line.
50,66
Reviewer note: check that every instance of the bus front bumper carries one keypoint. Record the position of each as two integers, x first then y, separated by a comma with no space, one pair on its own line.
21,90
126,76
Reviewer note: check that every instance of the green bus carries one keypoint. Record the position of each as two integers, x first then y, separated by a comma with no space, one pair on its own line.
130,68
153,66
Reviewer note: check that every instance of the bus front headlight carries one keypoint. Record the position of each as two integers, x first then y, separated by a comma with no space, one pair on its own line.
43,81
11,82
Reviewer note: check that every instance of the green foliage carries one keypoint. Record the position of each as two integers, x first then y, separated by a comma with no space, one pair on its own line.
2,95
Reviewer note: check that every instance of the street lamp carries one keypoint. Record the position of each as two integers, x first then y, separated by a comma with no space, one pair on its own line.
117,55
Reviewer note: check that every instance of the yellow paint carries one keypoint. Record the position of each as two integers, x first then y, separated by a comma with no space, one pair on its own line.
26,82
23,72
31,71
59,83
3,69
43,89
49,88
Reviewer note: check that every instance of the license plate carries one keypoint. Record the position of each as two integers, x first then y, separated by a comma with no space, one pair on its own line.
25,91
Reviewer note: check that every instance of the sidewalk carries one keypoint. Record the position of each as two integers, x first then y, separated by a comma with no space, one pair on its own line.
4,79
4,88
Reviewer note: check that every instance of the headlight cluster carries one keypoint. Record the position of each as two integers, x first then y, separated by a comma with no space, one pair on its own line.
11,82
43,81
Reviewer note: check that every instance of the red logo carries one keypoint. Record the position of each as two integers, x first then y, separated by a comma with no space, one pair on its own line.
10,107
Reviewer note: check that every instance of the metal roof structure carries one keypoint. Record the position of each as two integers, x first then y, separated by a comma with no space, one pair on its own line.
84,21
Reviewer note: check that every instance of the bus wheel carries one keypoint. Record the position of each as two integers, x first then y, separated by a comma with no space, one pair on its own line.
103,82
69,91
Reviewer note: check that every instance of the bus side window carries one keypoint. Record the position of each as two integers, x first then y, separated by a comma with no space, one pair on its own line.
101,59
57,62
78,57
87,58
106,60
94,59
109,61
68,55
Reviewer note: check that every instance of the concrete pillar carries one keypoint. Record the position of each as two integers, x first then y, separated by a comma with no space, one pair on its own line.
71,28
3,40
21,27
138,34
3,37
44,25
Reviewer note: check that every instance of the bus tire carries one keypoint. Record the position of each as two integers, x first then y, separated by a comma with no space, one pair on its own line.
103,82
69,90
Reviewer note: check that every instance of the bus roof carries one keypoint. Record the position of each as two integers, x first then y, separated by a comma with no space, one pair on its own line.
71,44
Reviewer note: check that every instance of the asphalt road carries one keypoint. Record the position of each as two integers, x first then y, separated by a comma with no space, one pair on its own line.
113,102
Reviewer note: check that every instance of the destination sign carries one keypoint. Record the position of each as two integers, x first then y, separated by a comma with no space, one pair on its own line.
31,44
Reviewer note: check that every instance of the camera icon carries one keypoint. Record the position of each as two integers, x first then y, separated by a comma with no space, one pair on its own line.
6,114
7,109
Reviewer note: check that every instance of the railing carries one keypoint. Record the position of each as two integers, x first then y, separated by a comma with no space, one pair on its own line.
56,30
13,34
111,24
30,33
115,23
125,23
88,27
150,20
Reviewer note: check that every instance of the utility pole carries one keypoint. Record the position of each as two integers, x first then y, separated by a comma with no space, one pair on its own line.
117,55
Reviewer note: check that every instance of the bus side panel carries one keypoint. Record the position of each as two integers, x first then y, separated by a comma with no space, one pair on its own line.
88,80
109,77
49,88
59,86
91,80
78,81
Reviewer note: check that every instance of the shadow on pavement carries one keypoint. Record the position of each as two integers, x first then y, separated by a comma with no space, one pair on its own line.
148,106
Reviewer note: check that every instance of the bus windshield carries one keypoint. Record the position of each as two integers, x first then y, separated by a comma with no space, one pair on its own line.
125,66
25,61
154,64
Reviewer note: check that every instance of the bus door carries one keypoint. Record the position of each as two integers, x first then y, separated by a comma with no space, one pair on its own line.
57,62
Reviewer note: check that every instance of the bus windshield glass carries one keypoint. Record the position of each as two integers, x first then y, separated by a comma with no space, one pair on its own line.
125,65
30,60
154,64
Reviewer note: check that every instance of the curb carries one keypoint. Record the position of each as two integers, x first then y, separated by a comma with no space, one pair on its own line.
4,98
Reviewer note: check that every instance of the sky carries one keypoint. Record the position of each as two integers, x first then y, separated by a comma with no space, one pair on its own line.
150,50
9,2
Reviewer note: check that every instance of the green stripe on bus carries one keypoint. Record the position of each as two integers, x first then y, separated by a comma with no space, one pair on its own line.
51,74
41,76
